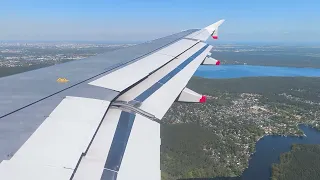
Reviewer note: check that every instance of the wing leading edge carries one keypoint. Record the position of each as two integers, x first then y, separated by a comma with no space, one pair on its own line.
118,138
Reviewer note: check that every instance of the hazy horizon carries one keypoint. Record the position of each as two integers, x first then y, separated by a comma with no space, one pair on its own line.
141,20
213,42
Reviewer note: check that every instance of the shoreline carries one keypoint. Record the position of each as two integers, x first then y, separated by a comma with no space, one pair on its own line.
273,135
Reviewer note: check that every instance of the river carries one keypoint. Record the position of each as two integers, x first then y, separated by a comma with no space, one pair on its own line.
268,148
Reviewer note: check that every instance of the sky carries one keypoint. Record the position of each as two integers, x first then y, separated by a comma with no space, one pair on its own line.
141,20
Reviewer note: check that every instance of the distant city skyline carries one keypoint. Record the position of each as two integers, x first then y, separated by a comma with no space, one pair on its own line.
130,21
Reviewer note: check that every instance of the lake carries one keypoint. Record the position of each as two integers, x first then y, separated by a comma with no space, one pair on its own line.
268,148
236,71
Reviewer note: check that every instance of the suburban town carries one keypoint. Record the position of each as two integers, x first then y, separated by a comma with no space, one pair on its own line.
236,121
18,54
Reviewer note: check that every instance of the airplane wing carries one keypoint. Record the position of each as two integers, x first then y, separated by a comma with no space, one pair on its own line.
98,118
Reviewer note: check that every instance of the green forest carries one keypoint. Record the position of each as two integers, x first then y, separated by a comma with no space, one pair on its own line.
301,163
182,152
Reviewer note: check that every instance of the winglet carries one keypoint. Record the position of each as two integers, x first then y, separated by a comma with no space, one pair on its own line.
213,29
214,26
206,32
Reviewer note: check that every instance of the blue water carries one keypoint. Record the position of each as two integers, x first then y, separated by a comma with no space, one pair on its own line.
236,71
269,148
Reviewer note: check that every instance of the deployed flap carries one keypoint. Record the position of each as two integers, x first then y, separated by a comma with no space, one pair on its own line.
210,61
59,142
143,150
187,95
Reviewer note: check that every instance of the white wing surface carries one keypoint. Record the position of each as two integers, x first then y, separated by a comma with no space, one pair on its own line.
105,122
